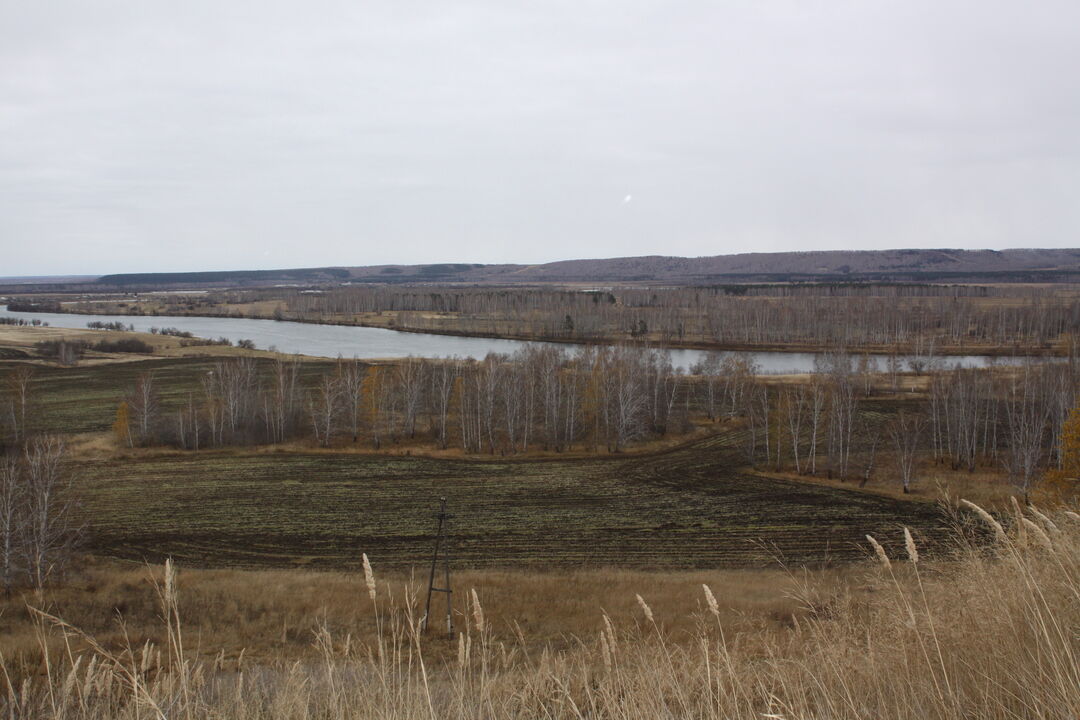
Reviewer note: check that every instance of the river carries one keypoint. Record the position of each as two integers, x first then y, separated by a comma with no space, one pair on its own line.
367,343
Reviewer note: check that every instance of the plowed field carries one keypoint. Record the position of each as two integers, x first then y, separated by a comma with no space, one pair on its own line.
690,507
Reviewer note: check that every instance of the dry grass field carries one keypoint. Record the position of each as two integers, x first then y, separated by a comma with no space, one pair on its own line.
989,633
274,615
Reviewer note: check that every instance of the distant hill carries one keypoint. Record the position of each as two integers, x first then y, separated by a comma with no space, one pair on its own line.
941,265
814,265
240,277
869,264
46,279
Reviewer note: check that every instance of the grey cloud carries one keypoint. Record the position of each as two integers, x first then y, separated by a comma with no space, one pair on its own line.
155,136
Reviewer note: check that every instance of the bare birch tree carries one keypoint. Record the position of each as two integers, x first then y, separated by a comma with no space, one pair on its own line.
324,406
906,434
13,504
350,379
48,533
143,407
20,385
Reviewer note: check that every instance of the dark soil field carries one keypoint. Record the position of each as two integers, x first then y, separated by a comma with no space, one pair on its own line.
690,507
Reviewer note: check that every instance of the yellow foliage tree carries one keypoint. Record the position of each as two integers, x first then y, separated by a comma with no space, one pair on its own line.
122,425
1064,483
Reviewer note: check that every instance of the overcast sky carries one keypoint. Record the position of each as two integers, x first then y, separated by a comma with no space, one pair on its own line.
143,135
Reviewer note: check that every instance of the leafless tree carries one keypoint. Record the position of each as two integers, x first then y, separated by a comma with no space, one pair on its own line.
817,403
409,374
13,505
188,425
627,396
213,407
377,396
894,367
237,388
738,371
708,370
324,406
843,407
871,458
281,400
48,532
443,377
350,380
906,433
20,385
757,409
1027,418
143,406
795,402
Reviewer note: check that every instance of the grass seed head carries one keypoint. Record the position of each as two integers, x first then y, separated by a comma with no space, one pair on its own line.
1039,534
170,583
1046,522
369,578
714,608
880,552
477,612
999,532
645,608
909,545
605,651
610,630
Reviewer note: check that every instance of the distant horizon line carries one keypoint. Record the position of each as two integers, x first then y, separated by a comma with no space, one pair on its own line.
92,276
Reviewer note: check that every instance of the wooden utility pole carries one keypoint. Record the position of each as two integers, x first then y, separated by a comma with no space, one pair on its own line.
441,543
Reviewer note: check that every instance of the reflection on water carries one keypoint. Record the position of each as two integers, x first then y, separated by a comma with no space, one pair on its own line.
366,343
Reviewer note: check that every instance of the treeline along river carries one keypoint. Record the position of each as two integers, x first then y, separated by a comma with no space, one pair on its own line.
369,343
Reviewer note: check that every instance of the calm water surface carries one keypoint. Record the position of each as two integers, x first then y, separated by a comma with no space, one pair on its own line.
367,343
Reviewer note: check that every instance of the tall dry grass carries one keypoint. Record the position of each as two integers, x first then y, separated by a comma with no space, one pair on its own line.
992,633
